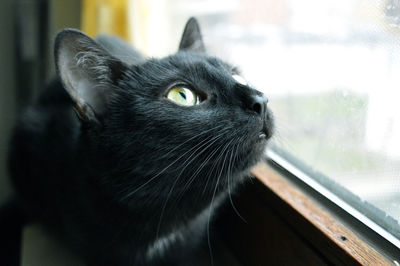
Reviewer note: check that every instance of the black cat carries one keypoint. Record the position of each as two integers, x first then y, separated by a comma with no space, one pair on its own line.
125,158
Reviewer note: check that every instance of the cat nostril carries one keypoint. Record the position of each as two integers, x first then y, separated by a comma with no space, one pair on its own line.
257,108
258,104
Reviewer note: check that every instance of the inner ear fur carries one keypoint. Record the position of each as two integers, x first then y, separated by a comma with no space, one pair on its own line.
87,72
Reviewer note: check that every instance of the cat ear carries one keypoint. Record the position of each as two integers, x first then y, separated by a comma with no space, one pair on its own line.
191,37
87,72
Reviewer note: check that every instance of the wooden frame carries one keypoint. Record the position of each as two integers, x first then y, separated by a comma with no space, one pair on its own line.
283,225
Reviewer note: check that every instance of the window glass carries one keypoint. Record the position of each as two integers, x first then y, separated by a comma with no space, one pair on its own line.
331,70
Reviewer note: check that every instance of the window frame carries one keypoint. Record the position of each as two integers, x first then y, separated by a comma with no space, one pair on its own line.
331,196
367,232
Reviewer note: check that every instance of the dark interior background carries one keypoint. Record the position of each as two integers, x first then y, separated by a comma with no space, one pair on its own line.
27,30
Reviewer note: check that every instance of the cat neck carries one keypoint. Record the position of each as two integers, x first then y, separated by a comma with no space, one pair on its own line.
171,242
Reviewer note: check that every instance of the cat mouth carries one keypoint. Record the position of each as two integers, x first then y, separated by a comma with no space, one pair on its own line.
262,135
267,129
265,133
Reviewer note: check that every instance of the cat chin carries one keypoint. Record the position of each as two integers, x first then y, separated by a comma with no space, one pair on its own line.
244,166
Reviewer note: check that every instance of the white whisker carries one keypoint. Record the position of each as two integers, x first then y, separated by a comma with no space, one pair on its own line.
232,159
166,168
208,143
212,200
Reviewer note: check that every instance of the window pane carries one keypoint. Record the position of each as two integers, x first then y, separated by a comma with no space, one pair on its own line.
331,70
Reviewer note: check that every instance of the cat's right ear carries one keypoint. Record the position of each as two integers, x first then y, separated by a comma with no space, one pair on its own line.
191,38
87,72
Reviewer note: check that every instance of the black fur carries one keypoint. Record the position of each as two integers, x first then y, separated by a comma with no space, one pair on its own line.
133,168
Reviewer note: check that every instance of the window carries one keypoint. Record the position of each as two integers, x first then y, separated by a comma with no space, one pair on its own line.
330,69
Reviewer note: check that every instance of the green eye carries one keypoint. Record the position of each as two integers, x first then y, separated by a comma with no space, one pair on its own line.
183,96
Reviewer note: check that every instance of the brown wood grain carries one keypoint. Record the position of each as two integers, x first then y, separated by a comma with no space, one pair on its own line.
338,238
263,238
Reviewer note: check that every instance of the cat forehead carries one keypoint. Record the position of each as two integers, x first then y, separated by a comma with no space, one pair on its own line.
186,61
200,60
186,67
196,66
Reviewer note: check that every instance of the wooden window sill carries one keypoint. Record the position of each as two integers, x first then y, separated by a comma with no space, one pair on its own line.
285,226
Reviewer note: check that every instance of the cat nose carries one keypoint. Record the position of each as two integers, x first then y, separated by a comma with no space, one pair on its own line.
258,104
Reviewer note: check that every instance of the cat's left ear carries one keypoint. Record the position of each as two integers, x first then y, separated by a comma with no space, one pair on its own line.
87,72
191,37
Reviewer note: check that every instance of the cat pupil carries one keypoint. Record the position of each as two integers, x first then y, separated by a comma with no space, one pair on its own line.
183,95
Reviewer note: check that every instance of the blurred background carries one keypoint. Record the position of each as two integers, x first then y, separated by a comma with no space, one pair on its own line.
330,69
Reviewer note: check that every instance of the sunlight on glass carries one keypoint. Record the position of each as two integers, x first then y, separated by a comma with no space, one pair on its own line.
330,69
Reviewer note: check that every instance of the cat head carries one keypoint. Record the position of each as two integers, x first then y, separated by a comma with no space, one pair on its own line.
186,121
